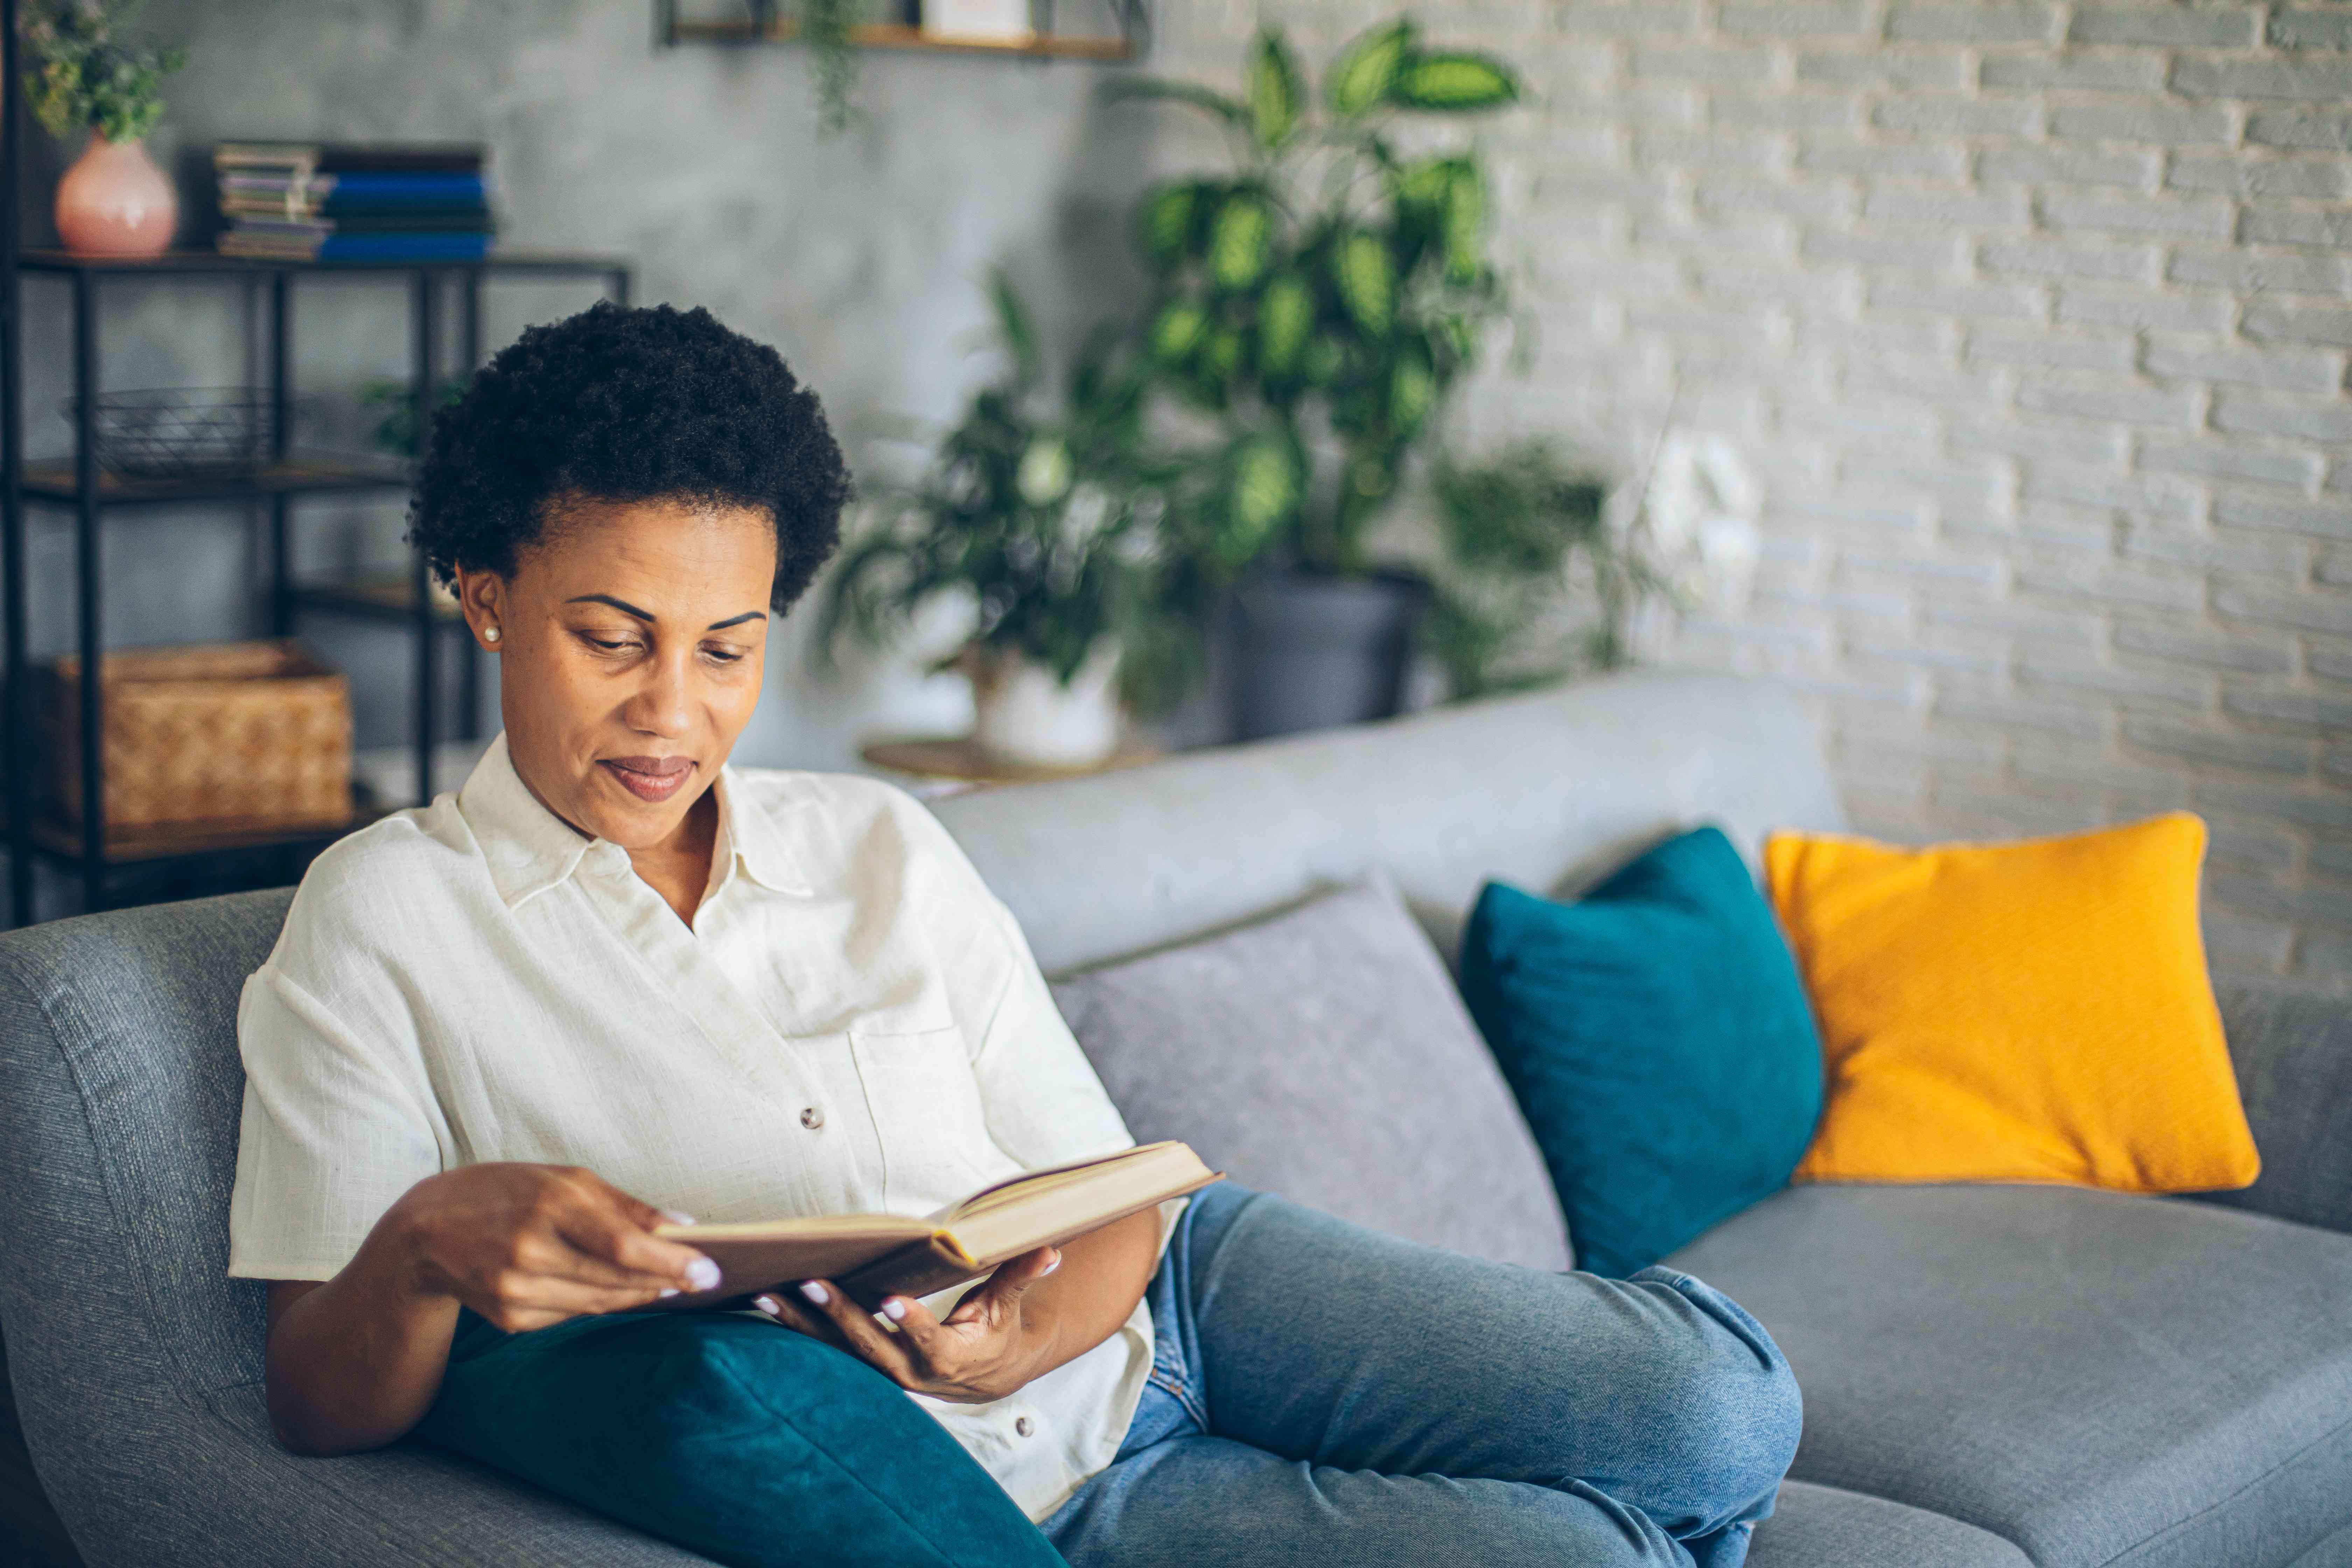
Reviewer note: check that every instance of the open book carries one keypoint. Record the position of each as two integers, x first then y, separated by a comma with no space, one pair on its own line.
871,1256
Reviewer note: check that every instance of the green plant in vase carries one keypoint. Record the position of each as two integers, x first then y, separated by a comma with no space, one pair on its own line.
1049,518
87,72
1325,278
1313,302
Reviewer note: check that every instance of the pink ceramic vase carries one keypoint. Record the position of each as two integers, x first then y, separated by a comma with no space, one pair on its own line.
114,201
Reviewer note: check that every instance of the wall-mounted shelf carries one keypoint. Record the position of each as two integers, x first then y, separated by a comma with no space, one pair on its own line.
762,24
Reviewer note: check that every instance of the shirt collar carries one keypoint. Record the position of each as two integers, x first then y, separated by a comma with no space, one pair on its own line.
530,849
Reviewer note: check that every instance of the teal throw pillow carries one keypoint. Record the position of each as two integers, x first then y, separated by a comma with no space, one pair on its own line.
1658,1037
732,1437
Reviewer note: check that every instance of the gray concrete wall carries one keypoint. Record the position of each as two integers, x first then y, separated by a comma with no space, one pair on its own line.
863,257
2034,317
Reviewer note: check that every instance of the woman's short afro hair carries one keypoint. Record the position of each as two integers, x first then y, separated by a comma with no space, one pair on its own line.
622,404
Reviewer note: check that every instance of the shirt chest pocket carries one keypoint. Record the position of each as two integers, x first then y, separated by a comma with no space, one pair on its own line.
925,1100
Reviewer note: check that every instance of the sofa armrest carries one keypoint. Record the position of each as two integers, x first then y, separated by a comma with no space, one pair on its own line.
2292,1049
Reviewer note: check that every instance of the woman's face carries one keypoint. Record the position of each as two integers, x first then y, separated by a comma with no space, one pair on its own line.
631,639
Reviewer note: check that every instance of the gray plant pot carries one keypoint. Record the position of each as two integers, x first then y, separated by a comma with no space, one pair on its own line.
1315,650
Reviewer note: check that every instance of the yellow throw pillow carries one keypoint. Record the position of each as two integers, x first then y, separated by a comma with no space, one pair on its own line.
2036,1011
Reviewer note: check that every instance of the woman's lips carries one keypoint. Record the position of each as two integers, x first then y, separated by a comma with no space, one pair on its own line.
649,778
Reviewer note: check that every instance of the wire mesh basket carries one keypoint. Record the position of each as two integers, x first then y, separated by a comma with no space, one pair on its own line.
182,432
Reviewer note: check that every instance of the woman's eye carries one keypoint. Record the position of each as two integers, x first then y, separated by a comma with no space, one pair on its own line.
724,655
609,647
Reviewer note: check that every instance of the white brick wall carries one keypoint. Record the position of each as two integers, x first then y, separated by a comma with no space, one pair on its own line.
2035,316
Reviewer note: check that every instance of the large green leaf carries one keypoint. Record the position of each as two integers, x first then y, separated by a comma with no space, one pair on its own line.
1264,489
1286,314
1463,224
1207,99
1275,89
1412,392
1240,238
1163,221
1364,270
1221,352
1013,320
1366,72
1455,81
1176,331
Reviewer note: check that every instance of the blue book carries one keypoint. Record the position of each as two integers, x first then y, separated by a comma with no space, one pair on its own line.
404,248
367,188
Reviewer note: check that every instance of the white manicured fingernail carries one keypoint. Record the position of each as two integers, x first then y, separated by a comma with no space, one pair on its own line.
702,1273
813,1291
769,1305
667,1291
1050,1267
895,1310
676,1218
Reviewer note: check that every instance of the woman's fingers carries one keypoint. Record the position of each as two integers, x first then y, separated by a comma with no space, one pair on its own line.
1005,1287
606,1224
863,1337
785,1313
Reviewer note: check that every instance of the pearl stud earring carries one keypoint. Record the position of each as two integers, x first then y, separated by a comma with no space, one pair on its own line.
490,634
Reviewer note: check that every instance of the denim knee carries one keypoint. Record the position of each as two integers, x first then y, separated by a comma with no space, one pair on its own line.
1735,1412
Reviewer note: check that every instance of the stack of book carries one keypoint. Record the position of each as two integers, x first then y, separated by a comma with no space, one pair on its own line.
313,202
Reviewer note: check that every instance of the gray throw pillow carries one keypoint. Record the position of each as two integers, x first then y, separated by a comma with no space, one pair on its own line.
1324,1054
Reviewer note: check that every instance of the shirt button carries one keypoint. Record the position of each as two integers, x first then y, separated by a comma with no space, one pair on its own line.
812,1118
1021,1425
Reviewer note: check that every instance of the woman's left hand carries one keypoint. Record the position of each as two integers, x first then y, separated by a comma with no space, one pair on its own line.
984,1350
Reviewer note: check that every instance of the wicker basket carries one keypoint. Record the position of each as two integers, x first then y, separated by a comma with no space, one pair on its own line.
257,732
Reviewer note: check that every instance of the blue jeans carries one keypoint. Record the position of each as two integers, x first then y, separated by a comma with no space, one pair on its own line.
1323,1394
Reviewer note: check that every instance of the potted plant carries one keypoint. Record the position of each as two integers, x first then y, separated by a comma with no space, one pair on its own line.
1057,527
1313,303
113,201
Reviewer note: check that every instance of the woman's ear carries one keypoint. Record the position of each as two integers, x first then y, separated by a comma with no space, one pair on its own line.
482,595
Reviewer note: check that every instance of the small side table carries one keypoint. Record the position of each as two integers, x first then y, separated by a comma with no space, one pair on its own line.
939,765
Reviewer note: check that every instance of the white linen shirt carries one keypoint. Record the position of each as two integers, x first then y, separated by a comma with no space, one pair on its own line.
853,1024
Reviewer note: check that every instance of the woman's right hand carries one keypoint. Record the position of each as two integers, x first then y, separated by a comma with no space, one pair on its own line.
527,1246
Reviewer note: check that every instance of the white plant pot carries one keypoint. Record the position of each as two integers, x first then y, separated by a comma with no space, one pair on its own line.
1022,714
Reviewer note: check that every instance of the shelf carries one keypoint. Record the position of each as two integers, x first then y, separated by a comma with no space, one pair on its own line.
961,757
383,596
51,481
894,36
196,261
180,841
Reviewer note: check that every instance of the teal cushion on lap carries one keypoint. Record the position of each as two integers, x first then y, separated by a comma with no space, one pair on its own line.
1659,1041
747,1442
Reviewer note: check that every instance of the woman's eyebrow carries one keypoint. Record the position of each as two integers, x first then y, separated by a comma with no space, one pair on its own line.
650,618
621,605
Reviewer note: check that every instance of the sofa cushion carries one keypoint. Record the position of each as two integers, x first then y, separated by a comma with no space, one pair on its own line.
2085,1374
2030,1011
1322,1054
1823,1527
753,1445
1656,1034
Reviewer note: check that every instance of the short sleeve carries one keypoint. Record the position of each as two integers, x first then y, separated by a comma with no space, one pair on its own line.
335,1128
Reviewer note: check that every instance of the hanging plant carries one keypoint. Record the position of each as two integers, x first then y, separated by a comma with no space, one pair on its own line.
826,26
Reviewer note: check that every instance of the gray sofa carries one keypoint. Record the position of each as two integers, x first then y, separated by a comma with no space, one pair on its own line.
1993,1375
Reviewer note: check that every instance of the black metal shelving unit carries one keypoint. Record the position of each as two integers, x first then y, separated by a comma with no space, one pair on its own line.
79,486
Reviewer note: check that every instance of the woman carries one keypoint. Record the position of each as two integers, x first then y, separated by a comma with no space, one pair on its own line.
611,980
